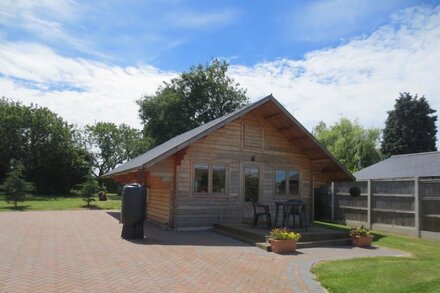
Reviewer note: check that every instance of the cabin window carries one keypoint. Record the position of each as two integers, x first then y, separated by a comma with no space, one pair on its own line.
209,178
251,183
201,175
218,178
286,181
293,182
280,182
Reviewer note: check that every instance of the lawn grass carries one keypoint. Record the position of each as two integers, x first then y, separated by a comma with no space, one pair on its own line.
46,203
419,273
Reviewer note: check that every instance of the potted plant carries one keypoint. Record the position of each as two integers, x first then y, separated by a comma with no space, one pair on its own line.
361,236
283,240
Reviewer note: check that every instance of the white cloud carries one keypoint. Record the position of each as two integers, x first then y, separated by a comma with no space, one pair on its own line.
201,20
325,20
81,91
46,20
359,79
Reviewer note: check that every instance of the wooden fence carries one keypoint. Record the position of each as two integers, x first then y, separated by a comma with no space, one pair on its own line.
404,206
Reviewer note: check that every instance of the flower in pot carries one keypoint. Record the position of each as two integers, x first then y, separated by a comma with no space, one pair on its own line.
361,236
283,240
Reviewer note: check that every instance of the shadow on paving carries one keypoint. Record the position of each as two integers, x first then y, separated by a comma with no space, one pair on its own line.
18,208
377,235
156,235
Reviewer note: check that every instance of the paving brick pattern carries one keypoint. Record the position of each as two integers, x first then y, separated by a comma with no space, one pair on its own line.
81,251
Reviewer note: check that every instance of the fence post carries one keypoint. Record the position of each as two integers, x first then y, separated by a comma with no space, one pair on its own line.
369,203
417,206
333,201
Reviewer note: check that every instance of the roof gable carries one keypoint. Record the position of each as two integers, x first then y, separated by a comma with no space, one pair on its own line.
276,114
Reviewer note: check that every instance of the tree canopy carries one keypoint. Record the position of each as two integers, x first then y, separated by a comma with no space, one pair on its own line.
410,127
354,146
110,145
43,143
192,99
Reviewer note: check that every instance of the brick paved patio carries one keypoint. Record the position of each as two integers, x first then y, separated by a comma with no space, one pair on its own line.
79,251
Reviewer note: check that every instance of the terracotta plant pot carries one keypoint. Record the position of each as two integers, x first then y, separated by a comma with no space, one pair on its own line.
283,246
362,241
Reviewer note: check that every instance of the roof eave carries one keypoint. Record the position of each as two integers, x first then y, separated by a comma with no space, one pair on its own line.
195,138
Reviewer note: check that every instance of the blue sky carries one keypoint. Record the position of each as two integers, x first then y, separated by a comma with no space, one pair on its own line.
323,59
174,35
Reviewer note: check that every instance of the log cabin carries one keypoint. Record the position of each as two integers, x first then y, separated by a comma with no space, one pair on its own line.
211,174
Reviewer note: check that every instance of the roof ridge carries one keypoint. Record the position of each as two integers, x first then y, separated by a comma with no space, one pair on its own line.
416,154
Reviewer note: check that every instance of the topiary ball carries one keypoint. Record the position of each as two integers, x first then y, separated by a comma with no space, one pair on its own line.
355,191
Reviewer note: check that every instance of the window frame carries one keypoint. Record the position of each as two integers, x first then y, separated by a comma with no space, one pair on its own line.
210,178
286,170
194,177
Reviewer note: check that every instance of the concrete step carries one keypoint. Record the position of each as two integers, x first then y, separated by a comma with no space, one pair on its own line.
308,236
312,238
233,231
324,243
242,237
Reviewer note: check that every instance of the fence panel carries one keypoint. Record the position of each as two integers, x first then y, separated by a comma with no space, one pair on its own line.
393,205
430,205
348,208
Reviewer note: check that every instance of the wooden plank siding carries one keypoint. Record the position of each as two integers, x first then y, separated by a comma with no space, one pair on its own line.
234,145
160,182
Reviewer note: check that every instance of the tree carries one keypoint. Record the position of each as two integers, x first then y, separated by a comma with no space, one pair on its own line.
354,146
111,145
410,127
192,99
44,143
16,187
88,190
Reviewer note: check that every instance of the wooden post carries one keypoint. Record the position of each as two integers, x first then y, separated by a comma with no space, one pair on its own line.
313,198
369,203
333,201
417,206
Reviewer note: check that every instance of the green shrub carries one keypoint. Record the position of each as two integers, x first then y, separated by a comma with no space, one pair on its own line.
88,189
16,187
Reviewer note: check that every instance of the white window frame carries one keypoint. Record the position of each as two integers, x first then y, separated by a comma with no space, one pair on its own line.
286,171
210,178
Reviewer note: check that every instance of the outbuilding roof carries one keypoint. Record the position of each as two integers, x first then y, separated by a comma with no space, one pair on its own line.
403,166
289,125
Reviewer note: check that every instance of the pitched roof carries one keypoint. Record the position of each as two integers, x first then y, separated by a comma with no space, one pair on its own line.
403,166
181,141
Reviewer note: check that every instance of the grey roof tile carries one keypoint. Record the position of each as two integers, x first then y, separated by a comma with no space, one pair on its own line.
403,166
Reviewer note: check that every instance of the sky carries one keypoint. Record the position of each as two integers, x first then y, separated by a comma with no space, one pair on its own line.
323,60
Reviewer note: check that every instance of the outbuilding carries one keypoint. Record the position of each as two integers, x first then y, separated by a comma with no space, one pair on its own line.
210,174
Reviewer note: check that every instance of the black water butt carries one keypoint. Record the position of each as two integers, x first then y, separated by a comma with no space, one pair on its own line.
133,211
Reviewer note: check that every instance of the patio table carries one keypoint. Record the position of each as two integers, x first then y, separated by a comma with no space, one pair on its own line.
291,204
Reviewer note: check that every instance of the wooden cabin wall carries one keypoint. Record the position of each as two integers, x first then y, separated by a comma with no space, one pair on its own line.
160,181
234,145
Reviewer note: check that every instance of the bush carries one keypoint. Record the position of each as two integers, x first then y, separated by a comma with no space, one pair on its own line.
88,189
16,187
